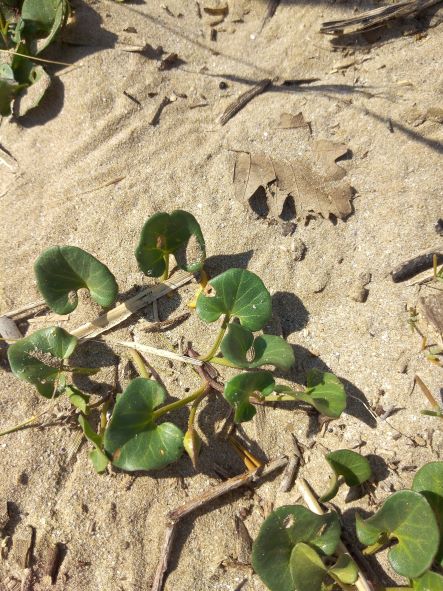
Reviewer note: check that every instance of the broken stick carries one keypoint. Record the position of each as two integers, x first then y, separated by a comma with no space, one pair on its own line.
244,99
209,495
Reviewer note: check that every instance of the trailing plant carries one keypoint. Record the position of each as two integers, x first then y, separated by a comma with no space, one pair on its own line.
141,433
27,27
297,550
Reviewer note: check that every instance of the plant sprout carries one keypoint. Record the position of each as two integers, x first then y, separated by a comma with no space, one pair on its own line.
141,434
26,28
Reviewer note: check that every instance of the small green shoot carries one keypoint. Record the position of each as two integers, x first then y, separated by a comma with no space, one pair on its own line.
165,234
242,387
136,438
324,392
353,467
133,439
241,349
406,517
291,545
62,270
39,359
26,29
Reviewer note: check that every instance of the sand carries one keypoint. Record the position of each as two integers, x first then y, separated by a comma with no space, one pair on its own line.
88,133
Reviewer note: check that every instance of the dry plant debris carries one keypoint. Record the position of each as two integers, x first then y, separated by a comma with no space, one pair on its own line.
377,17
314,189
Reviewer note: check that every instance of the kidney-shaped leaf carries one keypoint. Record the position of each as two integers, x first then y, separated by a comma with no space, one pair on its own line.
163,234
354,468
240,347
236,293
38,358
429,482
285,528
132,438
324,392
43,19
407,517
428,582
306,568
241,387
62,270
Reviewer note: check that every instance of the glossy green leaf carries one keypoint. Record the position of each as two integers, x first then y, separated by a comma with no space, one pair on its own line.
163,234
238,390
240,347
38,359
306,568
285,528
354,468
429,482
132,437
430,581
407,517
9,87
77,398
97,456
344,570
62,270
237,293
43,19
324,392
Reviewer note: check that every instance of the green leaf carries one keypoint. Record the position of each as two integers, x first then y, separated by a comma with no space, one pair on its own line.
97,456
62,270
344,570
354,468
428,582
238,390
285,528
43,19
38,84
77,398
236,293
240,347
324,392
163,234
132,438
38,359
8,89
99,460
429,482
307,569
407,517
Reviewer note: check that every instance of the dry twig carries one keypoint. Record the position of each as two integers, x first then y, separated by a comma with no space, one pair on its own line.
377,17
244,99
215,492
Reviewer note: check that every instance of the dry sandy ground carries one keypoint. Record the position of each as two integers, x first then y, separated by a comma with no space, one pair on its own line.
87,133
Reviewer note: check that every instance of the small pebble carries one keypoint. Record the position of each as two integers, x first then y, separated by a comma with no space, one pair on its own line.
288,228
320,281
298,249
223,85
439,227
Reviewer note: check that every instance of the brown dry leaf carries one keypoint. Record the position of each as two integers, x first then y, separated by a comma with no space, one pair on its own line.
315,190
290,121
327,153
